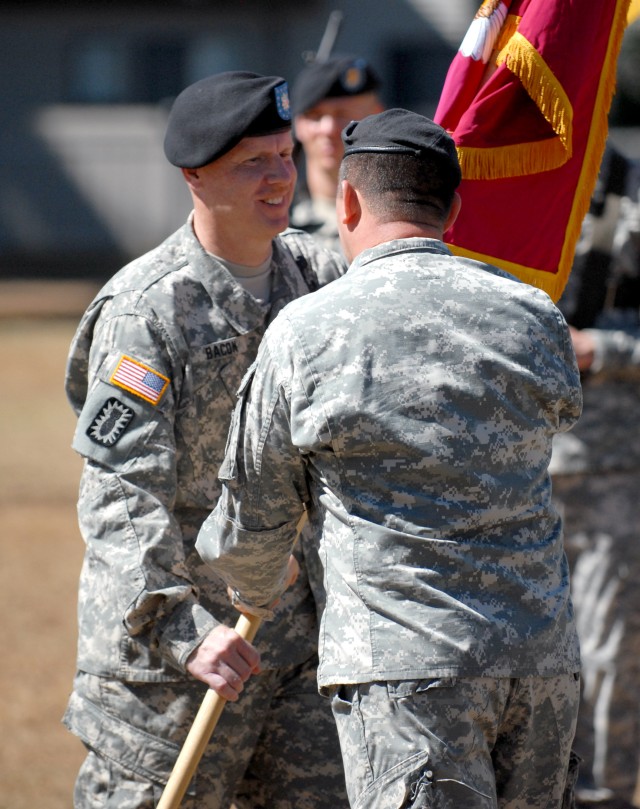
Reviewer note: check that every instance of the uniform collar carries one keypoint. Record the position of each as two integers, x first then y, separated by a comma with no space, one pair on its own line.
412,245
239,307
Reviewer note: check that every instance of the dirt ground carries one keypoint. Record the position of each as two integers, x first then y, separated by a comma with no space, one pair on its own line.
40,547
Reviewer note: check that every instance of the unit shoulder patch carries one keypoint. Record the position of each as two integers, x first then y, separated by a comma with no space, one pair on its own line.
110,423
139,379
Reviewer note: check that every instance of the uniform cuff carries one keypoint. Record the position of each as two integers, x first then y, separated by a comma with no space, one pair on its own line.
185,629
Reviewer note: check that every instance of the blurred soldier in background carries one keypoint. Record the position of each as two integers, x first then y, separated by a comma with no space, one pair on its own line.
152,375
325,97
596,483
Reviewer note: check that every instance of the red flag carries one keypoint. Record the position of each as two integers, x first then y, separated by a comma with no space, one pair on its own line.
526,99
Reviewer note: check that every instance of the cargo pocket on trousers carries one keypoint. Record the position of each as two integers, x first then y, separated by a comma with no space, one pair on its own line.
413,784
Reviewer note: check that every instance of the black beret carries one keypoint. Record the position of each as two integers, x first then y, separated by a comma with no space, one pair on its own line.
398,131
213,115
335,77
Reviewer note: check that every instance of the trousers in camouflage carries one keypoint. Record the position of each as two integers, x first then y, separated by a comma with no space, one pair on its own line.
276,748
601,515
447,743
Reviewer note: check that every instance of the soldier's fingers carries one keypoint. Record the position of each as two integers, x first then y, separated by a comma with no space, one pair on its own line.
227,689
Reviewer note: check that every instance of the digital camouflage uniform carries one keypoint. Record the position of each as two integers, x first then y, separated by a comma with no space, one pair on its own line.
596,483
411,406
152,375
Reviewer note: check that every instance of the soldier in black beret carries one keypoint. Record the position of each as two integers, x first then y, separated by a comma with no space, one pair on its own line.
336,77
213,115
402,164
325,97
399,131
410,414
152,376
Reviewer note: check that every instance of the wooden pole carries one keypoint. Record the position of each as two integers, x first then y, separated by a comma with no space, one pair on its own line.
206,720
200,733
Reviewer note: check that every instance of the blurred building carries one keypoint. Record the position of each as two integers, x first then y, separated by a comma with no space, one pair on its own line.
86,88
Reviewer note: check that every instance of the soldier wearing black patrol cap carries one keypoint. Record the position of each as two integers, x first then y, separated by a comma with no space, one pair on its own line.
152,375
324,98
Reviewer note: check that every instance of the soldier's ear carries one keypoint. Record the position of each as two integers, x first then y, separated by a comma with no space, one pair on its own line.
350,208
453,212
191,177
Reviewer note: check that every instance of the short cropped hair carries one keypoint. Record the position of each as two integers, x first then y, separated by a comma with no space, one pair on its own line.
401,186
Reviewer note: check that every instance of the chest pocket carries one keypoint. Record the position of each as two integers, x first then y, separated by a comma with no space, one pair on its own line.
206,406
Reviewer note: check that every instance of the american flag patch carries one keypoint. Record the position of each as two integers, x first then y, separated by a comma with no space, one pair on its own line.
137,378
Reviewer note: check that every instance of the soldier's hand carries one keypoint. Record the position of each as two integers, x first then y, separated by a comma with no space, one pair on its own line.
224,661
584,346
293,571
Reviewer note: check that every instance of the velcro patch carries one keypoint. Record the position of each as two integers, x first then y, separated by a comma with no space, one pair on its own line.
138,378
110,423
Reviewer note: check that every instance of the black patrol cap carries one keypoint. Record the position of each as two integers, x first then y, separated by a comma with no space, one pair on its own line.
213,115
337,76
398,131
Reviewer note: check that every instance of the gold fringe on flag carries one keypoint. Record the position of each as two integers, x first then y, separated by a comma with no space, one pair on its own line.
509,28
511,161
521,159
537,78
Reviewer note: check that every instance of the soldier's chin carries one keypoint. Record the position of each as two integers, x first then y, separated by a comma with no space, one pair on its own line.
331,162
